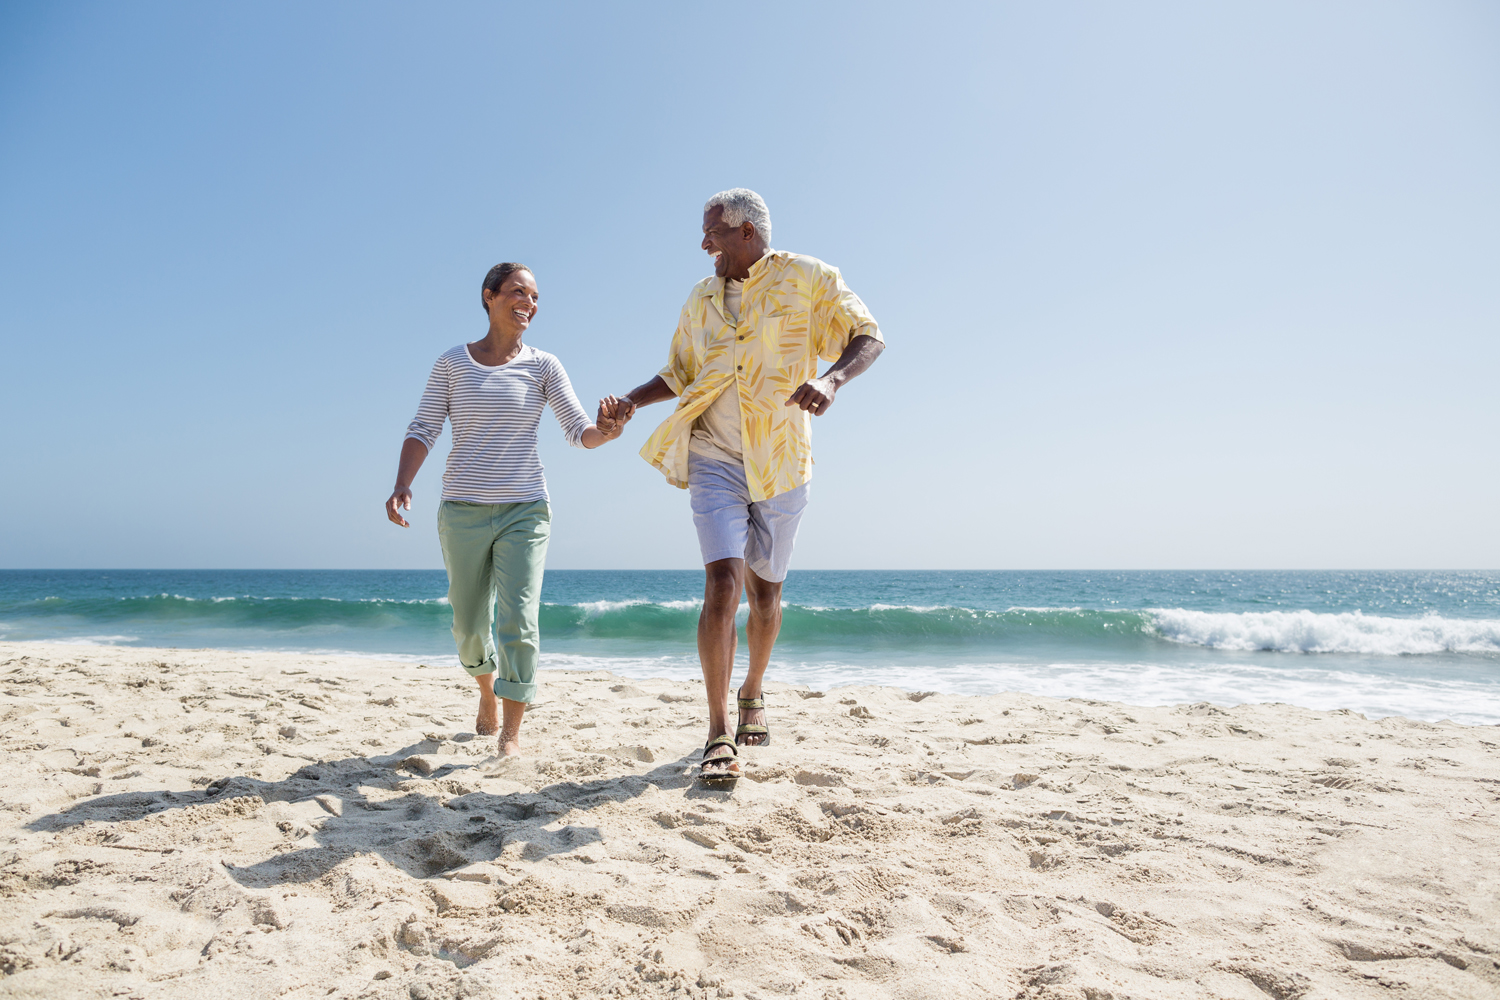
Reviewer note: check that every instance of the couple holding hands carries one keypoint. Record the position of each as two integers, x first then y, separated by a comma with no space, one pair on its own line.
743,368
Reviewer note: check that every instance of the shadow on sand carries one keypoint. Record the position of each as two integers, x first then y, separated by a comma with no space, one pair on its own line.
434,823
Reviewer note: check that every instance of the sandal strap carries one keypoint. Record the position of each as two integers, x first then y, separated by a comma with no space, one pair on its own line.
751,702
720,741
750,730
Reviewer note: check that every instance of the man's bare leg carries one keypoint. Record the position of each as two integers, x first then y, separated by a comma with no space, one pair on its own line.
510,732
487,722
761,630
723,581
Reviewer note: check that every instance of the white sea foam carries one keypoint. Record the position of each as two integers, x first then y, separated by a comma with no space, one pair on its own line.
1019,607
1311,632
1471,701
592,609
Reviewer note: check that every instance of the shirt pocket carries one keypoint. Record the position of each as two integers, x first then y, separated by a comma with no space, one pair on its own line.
784,340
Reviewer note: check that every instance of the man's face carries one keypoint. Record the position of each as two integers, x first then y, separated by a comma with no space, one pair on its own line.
731,247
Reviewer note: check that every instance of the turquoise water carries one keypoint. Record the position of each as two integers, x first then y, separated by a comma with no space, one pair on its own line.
1420,644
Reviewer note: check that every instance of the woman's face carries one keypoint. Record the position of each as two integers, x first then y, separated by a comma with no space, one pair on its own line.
515,303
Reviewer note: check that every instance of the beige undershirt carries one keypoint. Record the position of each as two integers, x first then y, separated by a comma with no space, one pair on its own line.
716,432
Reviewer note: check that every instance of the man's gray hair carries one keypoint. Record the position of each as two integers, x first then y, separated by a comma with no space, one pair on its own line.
742,205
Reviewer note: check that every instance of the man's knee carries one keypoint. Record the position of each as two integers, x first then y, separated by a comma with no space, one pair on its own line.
722,584
764,601
762,597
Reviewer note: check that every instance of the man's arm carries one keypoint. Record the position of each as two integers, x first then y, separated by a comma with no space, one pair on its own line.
653,391
817,394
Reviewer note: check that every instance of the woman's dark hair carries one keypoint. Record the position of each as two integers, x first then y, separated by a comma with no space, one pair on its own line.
496,278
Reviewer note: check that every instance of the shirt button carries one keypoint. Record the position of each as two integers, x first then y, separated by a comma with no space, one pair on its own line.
739,368
742,338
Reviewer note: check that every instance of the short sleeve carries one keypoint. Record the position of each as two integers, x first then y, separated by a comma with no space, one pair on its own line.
681,368
839,316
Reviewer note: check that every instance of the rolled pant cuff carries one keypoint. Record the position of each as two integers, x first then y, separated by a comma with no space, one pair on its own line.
487,667
515,690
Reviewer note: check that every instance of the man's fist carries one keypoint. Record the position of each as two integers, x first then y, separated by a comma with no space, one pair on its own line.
815,395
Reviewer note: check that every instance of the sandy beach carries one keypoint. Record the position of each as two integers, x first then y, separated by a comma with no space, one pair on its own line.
200,823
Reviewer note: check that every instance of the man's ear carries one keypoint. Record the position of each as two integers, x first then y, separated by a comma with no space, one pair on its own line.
747,232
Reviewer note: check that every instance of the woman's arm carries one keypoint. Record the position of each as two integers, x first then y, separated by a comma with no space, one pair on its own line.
608,425
421,434
413,454
572,416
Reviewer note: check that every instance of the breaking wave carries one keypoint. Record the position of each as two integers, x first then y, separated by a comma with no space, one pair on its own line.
873,627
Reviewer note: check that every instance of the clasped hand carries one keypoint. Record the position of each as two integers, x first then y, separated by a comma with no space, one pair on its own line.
614,414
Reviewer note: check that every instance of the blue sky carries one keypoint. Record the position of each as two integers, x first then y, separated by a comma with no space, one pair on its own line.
1164,285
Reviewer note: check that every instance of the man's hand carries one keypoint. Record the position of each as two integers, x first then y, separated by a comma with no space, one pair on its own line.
400,499
614,414
815,395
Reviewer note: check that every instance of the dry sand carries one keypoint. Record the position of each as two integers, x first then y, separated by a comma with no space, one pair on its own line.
205,824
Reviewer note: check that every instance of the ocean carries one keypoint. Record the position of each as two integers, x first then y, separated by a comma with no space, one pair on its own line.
1420,644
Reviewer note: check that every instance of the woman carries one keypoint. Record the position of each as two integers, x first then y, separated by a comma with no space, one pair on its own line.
494,519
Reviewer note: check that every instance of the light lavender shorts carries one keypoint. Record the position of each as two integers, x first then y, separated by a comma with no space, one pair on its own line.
731,526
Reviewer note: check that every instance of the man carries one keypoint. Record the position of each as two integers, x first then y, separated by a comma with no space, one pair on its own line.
743,367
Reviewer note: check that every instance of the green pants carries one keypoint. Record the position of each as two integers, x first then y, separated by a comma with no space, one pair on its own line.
494,553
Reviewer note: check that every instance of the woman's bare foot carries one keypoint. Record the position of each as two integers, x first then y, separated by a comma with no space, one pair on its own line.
487,722
509,743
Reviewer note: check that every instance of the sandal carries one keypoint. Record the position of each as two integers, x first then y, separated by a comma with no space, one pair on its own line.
745,705
728,774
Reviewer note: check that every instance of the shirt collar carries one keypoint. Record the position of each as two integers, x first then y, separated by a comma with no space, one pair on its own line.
716,294
760,264
759,268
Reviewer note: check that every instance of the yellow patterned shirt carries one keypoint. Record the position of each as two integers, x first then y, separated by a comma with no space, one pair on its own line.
793,311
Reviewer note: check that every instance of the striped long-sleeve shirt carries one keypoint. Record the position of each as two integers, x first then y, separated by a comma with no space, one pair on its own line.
495,411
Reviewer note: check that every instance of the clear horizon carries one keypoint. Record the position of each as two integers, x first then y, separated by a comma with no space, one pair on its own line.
794,569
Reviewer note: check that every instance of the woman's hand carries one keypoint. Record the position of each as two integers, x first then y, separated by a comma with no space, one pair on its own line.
413,454
400,499
614,414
